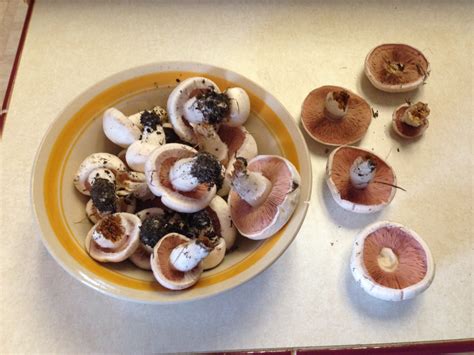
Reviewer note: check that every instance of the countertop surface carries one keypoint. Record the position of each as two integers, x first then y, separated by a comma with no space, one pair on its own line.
308,297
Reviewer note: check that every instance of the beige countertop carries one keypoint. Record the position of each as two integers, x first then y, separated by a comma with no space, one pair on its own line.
308,297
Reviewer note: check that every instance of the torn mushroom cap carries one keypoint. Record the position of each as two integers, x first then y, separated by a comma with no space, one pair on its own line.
335,116
260,221
141,257
396,67
240,143
391,262
170,173
359,180
123,204
119,128
187,89
114,238
164,271
411,121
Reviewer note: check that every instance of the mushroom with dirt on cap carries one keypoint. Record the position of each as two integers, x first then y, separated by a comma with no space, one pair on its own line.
185,180
264,195
114,238
411,121
391,262
335,116
396,67
359,181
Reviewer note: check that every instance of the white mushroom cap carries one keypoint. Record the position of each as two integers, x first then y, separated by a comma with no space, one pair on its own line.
391,262
239,106
114,238
265,220
223,215
139,151
157,171
162,269
216,255
89,168
119,128
124,204
176,104
141,257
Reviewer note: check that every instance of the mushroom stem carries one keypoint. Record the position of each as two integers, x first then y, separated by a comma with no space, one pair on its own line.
416,115
101,173
336,104
362,172
251,186
191,112
387,260
209,141
109,233
187,256
181,177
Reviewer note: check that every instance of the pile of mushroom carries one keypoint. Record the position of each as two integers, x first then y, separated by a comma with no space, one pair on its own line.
175,171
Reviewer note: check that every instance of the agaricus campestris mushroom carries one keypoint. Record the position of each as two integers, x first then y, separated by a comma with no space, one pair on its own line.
359,180
114,238
185,179
391,262
396,67
176,261
264,195
411,121
335,116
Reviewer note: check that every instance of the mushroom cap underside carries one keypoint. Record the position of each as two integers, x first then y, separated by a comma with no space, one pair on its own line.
414,67
347,130
379,192
263,221
404,129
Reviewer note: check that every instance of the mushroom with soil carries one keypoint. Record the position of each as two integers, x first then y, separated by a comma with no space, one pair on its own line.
359,180
185,180
396,67
335,116
391,262
264,195
176,261
411,121
114,238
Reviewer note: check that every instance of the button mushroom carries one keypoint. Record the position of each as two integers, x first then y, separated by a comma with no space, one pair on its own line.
411,121
185,179
391,262
114,238
263,196
335,116
396,67
359,180
176,261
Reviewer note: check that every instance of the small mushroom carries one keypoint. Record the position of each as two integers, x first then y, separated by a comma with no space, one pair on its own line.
359,180
263,196
396,67
176,261
391,262
411,121
123,204
335,116
149,236
114,238
185,179
240,143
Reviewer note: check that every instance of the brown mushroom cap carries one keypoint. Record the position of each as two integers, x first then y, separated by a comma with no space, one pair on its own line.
164,272
403,129
414,63
410,271
374,197
347,130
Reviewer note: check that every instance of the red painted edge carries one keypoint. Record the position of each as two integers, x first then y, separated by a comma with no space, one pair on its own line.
16,63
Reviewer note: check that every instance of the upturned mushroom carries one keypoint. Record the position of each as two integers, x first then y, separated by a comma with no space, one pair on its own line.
185,180
411,121
264,195
335,116
396,67
359,181
391,262
114,238
176,261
